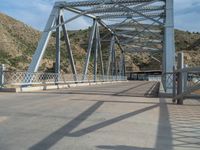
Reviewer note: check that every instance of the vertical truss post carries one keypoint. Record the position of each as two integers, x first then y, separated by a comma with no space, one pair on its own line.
114,67
58,35
174,84
122,60
69,50
96,53
122,64
112,43
91,40
185,77
180,81
100,52
43,41
115,62
169,44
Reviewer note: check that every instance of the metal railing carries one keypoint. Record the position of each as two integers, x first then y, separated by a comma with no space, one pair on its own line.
165,78
167,81
186,81
25,78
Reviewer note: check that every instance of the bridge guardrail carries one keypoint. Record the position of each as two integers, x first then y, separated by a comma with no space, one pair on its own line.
186,81
165,78
25,78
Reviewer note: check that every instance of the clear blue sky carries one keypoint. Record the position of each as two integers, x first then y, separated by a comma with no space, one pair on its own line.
35,13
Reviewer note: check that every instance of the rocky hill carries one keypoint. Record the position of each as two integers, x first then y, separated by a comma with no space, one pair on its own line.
18,43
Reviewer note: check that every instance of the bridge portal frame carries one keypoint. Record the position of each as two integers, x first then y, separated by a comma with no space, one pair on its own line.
136,11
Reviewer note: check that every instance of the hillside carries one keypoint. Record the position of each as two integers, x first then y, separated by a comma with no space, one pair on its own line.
18,43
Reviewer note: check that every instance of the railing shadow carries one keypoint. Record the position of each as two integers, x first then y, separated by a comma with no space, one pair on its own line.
56,136
185,123
66,130
178,127
164,135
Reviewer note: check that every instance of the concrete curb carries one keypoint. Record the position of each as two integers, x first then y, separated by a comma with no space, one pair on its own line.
54,87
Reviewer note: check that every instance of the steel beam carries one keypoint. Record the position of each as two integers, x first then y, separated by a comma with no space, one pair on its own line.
37,57
100,51
99,2
133,15
112,44
69,50
96,52
91,40
113,62
180,78
58,35
141,14
114,10
122,58
139,50
169,43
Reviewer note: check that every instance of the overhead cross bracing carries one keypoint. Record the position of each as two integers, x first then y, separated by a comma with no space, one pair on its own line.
133,25
132,11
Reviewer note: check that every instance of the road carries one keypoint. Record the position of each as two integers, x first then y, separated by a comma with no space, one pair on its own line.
120,116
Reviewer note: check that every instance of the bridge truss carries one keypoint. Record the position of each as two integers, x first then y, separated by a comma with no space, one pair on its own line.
134,26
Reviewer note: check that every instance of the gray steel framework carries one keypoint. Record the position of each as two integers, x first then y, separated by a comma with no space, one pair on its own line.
133,26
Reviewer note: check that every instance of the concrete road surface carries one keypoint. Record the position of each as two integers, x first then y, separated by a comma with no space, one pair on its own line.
119,116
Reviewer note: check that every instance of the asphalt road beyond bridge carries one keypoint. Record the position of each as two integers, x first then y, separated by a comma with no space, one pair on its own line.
120,116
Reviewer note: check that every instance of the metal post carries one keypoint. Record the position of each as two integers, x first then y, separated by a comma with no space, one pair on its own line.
96,53
174,84
100,52
69,50
43,41
114,64
112,43
180,85
2,69
185,77
58,35
169,44
87,60
122,63
113,61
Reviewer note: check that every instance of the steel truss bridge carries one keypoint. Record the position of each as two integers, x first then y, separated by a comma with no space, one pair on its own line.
134,26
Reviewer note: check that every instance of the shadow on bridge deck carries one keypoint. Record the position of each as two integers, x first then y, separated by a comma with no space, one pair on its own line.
176,129
48,121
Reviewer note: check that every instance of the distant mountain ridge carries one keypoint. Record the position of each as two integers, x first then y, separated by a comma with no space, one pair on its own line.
18,42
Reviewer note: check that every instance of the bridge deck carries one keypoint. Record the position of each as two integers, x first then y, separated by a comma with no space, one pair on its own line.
106,117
